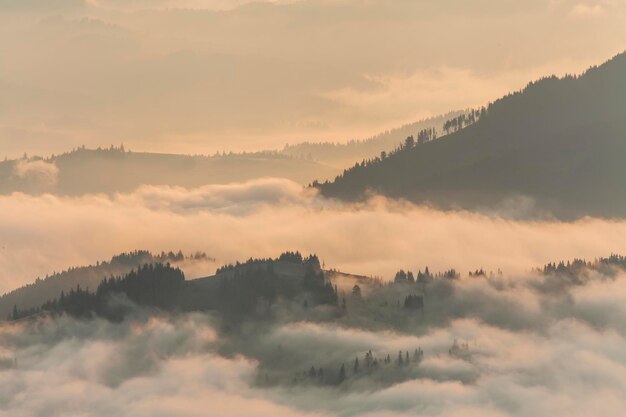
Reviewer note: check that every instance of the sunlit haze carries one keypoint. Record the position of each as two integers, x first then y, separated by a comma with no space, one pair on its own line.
312,208
213,75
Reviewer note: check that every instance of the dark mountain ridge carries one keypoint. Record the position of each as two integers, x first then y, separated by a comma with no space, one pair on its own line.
559,141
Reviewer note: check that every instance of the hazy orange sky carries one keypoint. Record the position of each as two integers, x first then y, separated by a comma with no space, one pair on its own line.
207,75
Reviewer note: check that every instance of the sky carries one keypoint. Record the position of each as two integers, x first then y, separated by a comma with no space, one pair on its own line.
199,76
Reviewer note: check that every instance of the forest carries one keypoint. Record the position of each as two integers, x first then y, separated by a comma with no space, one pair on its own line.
248,302
555,142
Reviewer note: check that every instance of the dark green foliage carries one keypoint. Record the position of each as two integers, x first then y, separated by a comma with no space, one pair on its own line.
414,302
576,269
292,257
239,294
342,373
400,277
316,283
43,289
150,285
403,277
250,289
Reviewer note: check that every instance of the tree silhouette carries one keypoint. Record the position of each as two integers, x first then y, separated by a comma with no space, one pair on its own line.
342,374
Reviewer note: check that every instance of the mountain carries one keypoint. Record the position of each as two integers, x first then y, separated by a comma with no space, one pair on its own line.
235,290
115,170
87,277
340,155
560,141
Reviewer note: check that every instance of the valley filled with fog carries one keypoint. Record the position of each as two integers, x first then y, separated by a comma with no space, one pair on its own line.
507,341
312,208
542,343
264,217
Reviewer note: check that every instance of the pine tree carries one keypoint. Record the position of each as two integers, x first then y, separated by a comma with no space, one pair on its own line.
356,365
342,374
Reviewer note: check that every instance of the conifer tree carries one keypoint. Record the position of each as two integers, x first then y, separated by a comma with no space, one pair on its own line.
342,374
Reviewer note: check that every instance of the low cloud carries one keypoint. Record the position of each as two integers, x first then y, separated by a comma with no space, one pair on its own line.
565,356
157,367
41,234
233,199
36,174
182,366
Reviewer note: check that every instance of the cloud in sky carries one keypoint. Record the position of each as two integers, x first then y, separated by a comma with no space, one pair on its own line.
187,77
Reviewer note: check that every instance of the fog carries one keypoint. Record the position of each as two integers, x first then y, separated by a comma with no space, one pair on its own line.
563,362
262,218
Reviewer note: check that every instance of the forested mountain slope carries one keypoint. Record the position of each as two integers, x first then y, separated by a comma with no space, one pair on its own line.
560,141
86,277
341,155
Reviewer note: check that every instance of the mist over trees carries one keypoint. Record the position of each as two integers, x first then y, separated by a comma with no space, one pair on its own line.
262,307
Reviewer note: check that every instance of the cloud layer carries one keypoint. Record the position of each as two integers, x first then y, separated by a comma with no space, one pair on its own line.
563,362
262,218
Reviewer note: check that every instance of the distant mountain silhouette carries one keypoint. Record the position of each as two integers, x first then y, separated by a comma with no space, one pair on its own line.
560,141
341,155
114,170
